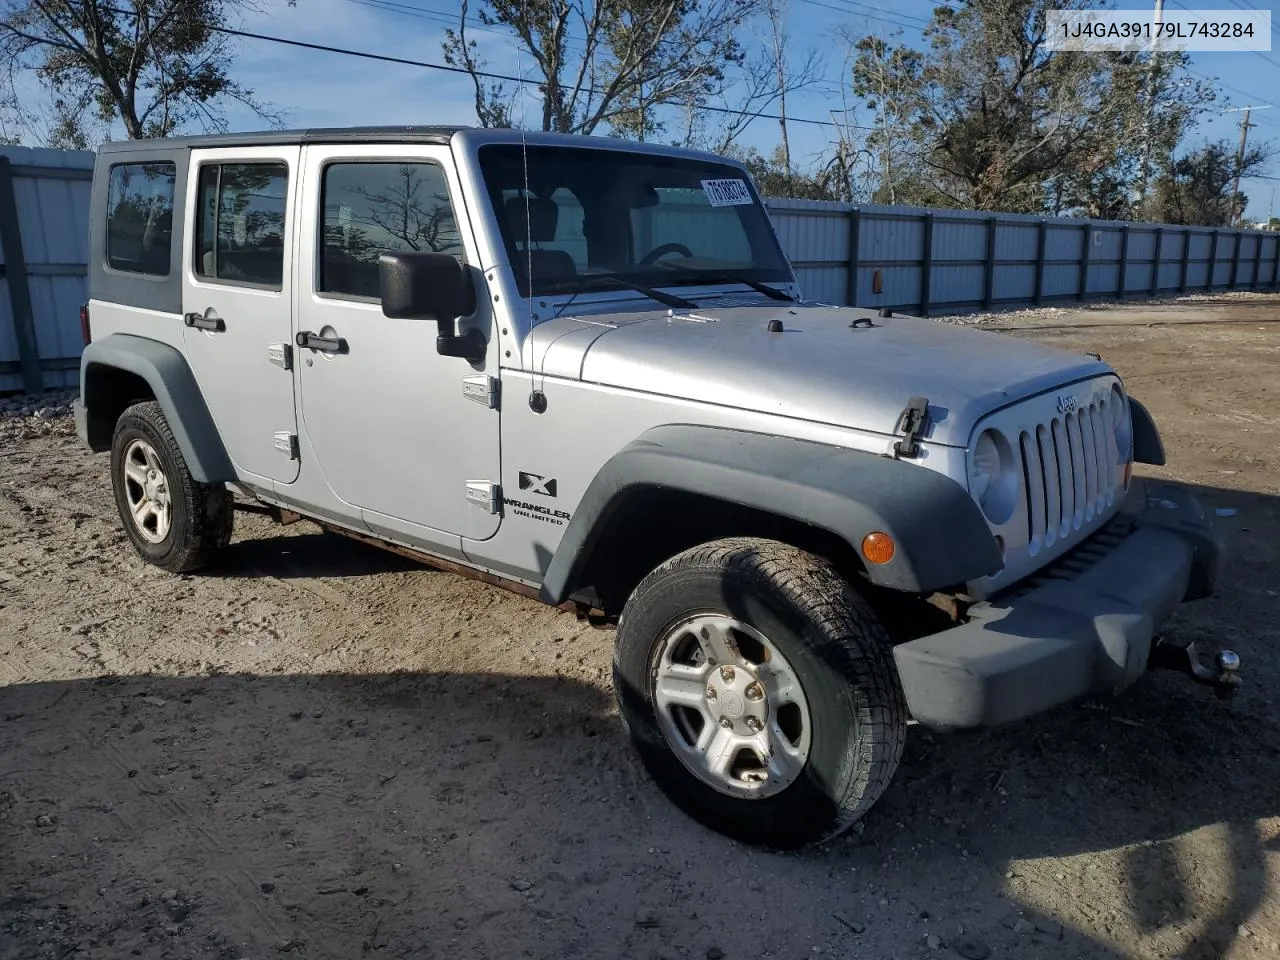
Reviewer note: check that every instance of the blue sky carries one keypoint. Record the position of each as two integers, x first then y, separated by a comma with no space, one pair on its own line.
322,89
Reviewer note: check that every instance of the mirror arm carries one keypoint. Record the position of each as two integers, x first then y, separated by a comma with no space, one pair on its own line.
469,346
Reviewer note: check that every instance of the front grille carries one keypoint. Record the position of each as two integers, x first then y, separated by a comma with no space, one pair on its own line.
1071,471
1078,560
1061,448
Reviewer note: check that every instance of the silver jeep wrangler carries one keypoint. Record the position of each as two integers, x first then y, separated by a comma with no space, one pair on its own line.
582,369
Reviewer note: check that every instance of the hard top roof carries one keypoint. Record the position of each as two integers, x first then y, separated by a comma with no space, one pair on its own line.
439,135
410,134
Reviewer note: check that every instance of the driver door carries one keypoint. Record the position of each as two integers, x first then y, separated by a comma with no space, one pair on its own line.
395,427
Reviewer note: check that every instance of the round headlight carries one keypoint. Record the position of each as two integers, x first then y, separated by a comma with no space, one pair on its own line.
993,482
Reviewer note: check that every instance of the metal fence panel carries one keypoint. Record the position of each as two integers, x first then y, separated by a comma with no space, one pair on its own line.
898,257
826,284
1016,283
44,229
979,260
1016,241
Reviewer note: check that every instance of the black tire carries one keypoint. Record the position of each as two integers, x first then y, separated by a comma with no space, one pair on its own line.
201,514
835,646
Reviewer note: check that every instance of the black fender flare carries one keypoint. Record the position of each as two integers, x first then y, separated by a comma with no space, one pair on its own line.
174,386
942,539
1147,445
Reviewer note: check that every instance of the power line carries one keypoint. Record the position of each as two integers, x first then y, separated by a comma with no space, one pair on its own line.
870,16
859,8
1240,6
439,16
490,75
1221,83
447,18
1236,40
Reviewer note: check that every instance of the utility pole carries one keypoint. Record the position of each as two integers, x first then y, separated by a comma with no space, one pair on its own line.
1144,169
1244,137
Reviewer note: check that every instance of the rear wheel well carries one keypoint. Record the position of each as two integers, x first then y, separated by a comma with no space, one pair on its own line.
108,392
649,525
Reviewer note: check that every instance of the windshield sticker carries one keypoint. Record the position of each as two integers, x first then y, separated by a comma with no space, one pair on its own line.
727,193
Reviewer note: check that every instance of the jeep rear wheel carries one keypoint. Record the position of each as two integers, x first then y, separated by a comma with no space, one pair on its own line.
760,692
172,519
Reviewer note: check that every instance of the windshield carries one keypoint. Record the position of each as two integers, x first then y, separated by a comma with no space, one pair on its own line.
570,216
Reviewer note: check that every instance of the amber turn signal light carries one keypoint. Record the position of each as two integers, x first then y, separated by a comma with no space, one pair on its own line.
878,547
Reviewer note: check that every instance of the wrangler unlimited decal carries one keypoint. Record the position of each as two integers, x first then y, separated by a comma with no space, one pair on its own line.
535,511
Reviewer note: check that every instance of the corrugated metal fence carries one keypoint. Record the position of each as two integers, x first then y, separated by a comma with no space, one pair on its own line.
44,231
917,260
953,261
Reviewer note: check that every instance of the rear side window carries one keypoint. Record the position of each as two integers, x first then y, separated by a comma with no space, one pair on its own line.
375,208
140,217
240,223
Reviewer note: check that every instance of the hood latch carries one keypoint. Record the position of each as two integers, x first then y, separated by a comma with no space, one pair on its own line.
912,422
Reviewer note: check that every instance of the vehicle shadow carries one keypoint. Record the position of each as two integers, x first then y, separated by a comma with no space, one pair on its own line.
303,551
493,815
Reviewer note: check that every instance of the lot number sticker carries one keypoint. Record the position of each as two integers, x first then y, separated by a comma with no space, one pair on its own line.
726,193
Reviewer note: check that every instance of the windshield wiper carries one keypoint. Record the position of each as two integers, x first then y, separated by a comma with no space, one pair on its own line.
773,293
583,283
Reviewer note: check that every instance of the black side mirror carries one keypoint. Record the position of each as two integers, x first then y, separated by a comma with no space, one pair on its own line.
431,286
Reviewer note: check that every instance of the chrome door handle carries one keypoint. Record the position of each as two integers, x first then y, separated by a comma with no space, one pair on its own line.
200,322
313,341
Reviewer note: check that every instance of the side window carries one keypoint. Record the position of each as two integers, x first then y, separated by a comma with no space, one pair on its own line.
372,208
240,223
140,217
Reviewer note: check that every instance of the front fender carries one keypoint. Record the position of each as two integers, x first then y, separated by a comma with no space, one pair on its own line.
941,537
1147,445
174,387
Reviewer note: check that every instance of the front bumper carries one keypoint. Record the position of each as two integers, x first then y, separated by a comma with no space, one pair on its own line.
1083,624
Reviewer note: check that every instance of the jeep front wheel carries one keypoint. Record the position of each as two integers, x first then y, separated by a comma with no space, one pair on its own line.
172,519
760,692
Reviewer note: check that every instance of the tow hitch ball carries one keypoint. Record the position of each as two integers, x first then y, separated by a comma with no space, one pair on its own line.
1223,676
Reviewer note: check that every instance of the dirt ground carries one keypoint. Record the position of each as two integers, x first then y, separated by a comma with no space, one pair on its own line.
321,750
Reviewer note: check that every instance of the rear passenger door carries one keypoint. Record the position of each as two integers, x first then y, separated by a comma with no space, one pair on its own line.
238,302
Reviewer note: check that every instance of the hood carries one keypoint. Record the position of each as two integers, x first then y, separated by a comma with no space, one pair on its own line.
818,368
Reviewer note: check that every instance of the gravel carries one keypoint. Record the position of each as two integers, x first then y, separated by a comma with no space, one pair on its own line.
47,405
364,647
27,416
1075,309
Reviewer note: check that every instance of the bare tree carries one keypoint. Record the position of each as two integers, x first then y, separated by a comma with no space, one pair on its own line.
492,101
157,66
760,84
609,62
776,11
886,77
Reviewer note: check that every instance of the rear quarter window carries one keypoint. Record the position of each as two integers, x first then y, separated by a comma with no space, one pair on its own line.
140,217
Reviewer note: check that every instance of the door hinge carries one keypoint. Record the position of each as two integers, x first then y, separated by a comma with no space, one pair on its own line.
484,494
287,443
482,389
281,354
912,424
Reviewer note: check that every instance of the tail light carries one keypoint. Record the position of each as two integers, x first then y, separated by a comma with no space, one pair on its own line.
85,332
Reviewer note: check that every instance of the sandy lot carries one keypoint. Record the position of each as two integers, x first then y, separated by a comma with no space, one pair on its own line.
322,750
